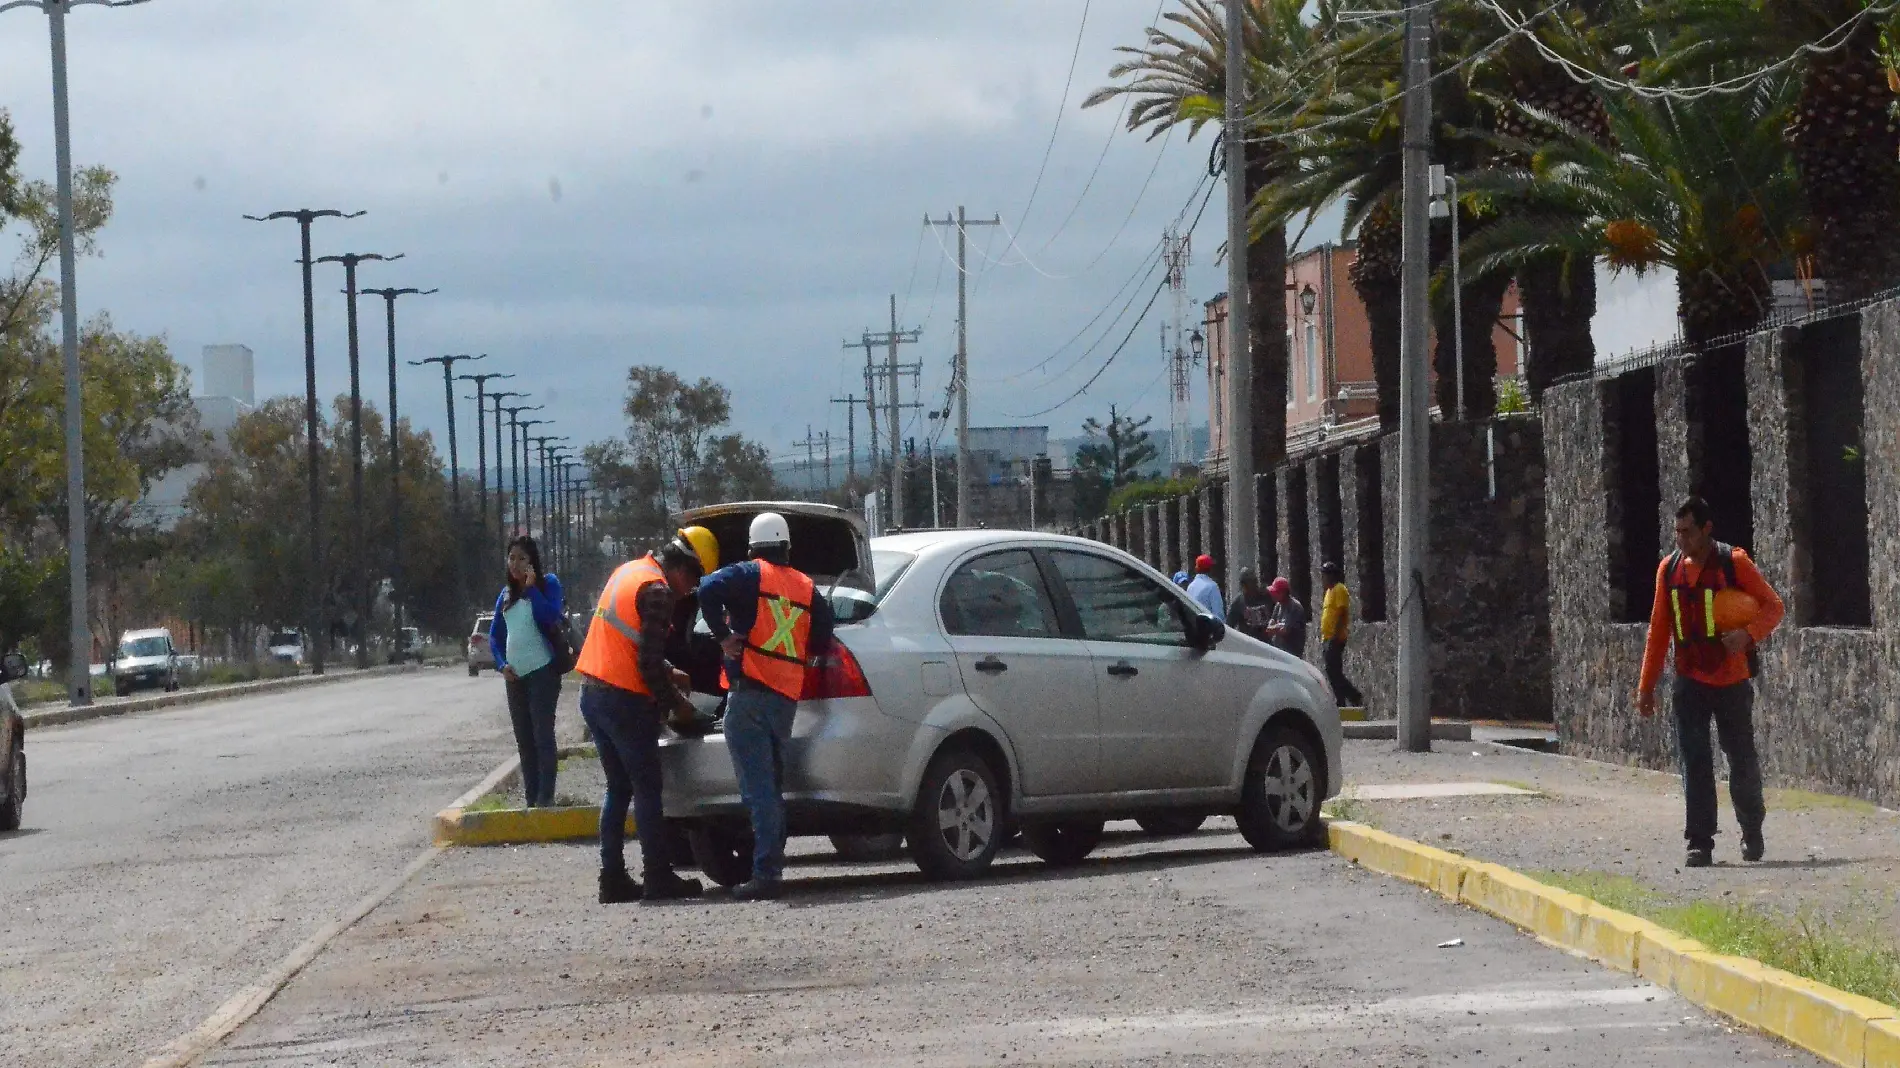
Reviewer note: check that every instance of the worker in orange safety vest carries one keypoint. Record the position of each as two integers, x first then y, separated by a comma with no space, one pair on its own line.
772,622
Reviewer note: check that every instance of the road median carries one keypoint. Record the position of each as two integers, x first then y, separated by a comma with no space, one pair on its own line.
53,717
1843,1028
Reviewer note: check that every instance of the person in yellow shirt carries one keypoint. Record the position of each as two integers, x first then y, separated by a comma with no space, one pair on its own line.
1335,616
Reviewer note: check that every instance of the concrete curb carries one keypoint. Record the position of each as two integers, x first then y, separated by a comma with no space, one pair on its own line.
456,826
53,717
1842,1028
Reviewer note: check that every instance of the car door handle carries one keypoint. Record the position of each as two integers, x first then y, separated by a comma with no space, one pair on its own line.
1124,669
989,665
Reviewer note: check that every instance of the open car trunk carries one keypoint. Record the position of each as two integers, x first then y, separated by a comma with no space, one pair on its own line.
830,544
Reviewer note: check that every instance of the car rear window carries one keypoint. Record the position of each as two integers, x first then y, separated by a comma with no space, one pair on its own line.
888,565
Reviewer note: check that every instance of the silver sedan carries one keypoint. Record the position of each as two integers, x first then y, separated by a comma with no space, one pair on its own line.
984,682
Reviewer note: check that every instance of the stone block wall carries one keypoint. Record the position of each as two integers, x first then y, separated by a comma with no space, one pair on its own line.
1827,713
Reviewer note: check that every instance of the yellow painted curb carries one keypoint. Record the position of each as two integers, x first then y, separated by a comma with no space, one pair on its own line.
1352,715
457,827
1842,1028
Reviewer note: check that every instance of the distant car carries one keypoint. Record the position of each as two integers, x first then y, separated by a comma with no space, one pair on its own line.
190,664
146,658
985,681
479,654
12,745
286,647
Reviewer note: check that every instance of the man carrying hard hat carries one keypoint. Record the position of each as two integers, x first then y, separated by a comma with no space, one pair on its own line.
1713,604
628,689
771,621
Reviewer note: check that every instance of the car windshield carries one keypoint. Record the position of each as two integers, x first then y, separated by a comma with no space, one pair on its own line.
142,647
285,637
888,564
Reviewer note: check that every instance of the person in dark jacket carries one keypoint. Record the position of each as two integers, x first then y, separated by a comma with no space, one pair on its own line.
530,607
1286,625
773,622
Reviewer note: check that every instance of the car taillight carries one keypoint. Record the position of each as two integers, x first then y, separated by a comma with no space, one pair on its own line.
837,675
479,641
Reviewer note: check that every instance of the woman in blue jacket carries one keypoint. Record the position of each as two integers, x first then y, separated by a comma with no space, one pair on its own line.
529,608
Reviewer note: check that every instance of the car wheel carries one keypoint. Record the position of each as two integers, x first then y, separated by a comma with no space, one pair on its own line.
1279,801
955,828
1064,842
13,805
857,847
723,853
1170,824
473,671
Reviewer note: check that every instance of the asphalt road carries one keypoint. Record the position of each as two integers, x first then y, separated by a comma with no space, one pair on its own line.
169,859
1193,952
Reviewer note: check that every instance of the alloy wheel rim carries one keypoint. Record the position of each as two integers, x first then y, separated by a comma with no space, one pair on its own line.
966,816
1287,784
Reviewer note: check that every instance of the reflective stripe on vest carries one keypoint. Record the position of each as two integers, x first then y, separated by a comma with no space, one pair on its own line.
1698,645
778,647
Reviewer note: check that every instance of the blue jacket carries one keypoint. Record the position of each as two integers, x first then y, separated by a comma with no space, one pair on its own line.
550,610
729,599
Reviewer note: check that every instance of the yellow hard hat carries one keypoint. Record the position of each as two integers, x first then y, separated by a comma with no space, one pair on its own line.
704,546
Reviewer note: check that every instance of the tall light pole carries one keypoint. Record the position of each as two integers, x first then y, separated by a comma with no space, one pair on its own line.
1414,681
395,460
455,482
1242,538
360,575
79,634
317,634
524,469
501,517
517,429
481,438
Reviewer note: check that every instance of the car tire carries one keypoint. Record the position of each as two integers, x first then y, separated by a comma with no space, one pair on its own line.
868,847
1280,797
1171,824
958,786
723,853
1063,843
473,671
13,804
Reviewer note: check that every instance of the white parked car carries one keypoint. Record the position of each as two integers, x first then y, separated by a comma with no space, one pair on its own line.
986,681
145,658
286,647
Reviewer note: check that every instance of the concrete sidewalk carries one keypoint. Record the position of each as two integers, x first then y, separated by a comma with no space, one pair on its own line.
1831,858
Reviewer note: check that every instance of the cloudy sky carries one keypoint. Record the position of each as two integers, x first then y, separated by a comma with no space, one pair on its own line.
725,188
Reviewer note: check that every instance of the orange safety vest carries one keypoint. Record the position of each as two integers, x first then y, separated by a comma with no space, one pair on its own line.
611,653
778,650
1699,648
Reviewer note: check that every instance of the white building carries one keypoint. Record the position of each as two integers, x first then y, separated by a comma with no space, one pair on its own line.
227,393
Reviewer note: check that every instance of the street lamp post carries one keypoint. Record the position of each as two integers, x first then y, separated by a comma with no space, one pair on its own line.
517,429
551,495
455,483
360,576
501,512
481,438
317,633
389,296
79,675
524,471
1444,190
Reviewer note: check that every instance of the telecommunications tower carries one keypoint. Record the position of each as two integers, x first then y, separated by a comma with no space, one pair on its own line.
1177,352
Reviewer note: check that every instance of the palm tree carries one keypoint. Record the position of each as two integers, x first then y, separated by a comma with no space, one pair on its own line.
1705,186
1179,77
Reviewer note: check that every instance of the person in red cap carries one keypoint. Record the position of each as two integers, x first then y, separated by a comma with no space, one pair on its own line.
1286,627
1205,590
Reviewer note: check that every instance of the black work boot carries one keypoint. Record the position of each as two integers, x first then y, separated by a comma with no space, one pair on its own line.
617,887
756,889
668,886
1699,858
1752,847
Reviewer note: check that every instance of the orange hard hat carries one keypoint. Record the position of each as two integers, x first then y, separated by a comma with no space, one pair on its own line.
1734,609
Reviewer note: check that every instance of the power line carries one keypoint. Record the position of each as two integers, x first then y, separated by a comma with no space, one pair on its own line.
1068,82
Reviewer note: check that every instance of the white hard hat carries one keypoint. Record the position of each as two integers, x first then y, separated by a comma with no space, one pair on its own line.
768,528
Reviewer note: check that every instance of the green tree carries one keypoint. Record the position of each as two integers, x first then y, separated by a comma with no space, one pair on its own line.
1111,458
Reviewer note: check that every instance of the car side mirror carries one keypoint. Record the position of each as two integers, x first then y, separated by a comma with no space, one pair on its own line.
1204,631
12,666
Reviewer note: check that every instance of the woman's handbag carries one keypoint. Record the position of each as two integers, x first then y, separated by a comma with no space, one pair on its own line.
564,644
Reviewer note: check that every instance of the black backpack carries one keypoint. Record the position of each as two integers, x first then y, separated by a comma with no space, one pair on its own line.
1726,554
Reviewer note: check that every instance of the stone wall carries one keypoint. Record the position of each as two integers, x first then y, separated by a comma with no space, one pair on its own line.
1487,613
1828,708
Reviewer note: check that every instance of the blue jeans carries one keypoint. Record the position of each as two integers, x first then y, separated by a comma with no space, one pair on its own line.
626,729
531,701
758,727
1732,709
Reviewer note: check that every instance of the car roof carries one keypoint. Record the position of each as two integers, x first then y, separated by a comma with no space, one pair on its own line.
149,632
923,541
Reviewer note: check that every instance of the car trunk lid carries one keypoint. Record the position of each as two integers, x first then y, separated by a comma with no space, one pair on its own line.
830,544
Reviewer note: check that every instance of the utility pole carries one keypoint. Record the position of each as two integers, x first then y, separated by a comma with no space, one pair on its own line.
826,438
359,575
389,296
79,634
811,484
455,482
481,440
1242,538
518,459
317,634
1414,682
501,503
962,376
893,407
930,457
850,438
